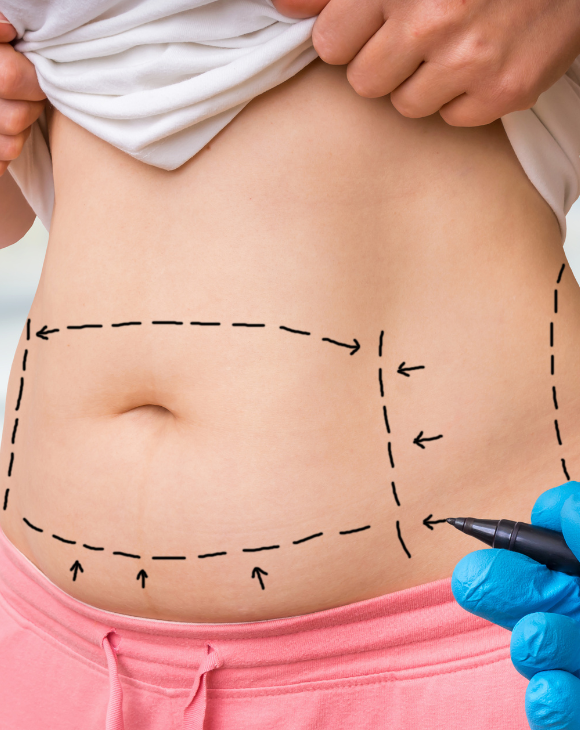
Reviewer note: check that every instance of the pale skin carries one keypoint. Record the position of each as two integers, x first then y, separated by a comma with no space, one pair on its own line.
316,209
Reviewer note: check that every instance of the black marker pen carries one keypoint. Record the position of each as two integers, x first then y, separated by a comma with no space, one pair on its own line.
542,545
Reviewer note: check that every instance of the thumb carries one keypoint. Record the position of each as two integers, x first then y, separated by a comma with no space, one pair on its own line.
7,30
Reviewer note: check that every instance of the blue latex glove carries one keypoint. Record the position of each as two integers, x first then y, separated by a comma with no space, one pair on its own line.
541,606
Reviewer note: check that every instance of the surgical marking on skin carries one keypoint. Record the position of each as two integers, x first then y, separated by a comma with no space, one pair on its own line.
126,555
246,324
401,540
353,348
555,301
390,449
560,274
19,401
551,364
168,557
206,324
84,326
381,383
24,360
565,470
211,555
357,529
558,432
554,397
11,464
168,321
258,550
28,330
90,547
6,493
126,324
305,539
551,334
296,332
395,495
62,539
381,336
13,440
386,419
34,527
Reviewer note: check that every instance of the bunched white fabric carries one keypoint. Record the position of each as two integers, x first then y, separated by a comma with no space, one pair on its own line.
160,78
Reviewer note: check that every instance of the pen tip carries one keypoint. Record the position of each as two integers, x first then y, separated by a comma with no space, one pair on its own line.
451,521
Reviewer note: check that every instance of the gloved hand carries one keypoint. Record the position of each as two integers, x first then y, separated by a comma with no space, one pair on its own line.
541,606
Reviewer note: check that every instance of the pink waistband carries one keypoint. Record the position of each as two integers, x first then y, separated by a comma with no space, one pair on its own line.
414,630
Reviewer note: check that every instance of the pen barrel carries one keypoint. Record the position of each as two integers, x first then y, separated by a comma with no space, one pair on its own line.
542,545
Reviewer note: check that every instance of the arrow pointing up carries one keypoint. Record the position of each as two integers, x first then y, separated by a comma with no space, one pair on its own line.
428,522
402,370
258,573
353,348
142,576
44,332
75,569
420,439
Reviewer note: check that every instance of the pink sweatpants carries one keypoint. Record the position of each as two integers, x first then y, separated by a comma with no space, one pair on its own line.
405,661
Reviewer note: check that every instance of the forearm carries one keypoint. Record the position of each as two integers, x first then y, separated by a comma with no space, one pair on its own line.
16,216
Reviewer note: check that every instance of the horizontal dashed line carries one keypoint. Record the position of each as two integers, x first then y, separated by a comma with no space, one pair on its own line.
91,547
206,324
168,321
257,550
127,324
296,332
34,527
168,557
84,326
211,555
358,529
246,324
305,539
126,555
63,539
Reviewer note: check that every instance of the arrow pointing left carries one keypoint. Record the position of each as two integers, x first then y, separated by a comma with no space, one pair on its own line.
75,569
428,522
420,439
44,332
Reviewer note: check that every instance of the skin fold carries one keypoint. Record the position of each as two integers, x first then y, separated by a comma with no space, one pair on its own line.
315,210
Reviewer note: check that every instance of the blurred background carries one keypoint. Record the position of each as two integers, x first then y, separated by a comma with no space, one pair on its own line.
21,264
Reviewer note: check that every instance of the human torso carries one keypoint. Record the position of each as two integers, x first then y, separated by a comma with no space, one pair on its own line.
199,471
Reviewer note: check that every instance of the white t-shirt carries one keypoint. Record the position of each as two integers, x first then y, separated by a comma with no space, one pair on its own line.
160,78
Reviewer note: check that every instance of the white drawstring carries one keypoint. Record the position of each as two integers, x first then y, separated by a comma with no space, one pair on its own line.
115,705
194,713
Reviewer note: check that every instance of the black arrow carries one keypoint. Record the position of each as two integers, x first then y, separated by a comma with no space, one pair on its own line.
44,332
420,438
142,576
258,573
353,348
402,370
428,522
75,568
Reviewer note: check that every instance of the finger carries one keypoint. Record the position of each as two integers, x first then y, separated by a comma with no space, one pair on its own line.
3,167
7,30
469,111
343,27
570,518
546,511
299,8
16,116
18,76
502,587
427,90
543,641
385,62
553,701
11,145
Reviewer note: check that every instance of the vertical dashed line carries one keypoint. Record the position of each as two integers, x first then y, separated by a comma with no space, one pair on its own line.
552,371
551,334
5,506
390,448
558,432
13,440
19,401
11,464
551,364
395,495
24,359
565,470
385,416
28,330
554,397
401,540
555,301
382,389
560,274
381,343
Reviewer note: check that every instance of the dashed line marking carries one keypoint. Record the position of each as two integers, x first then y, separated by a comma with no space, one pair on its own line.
551,364
381,387
62,539
390,449
395,495
168,557
258,550
127,324
296,332
206,324
126,555
91,547
386,419
28,330
247,324
34,527
24,359
84,327
381,337
565,470
305,539
401,540
560,274
357,529
211,555
551,334
558,432
166,321
19,401
555,301
554,397
11,464
13,440
6,494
